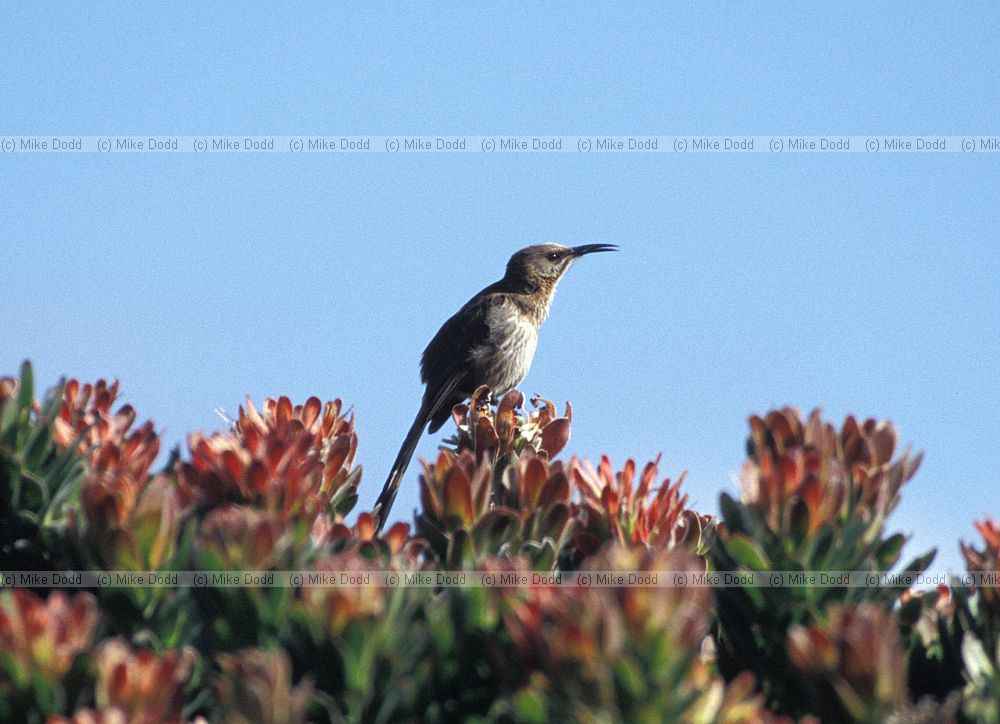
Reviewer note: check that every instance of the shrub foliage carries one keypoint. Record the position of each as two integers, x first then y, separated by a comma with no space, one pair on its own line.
279,492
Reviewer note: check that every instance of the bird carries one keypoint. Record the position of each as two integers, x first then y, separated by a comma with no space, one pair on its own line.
490,341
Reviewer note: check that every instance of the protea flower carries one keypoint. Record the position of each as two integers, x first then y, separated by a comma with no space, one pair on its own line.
86,413
855,662
333,437
616,508
42,638
809,471
330,609
986,560
291,461
626,653
501,432
146,686
256,686
468,512
235,537
132,517
364,538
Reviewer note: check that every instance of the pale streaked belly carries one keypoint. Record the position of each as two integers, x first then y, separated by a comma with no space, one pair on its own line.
504,365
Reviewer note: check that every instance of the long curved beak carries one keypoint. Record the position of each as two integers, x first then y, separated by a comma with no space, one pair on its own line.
579,251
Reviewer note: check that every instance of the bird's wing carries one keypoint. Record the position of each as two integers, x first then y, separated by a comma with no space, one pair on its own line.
449,351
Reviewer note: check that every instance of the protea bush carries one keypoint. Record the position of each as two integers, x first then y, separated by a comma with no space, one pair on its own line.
41,642
81,487
622,654
812,499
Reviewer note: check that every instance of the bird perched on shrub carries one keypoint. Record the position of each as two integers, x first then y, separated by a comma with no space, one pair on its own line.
490,341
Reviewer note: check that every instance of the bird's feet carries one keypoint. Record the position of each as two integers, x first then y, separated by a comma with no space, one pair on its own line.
481,399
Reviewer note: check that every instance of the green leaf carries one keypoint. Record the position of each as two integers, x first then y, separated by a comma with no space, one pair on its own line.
852,533
629,675
460,549
8,421
38,445
530,706
732,512
799,522
819,548
888,552
348,498
480,612
918,565
492,530
747,553
545,555
847,550
25,395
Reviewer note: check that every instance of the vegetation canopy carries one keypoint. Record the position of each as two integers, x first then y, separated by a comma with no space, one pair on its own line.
278,492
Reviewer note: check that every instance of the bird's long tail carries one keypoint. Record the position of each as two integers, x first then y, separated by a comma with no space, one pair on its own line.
391,487
427,409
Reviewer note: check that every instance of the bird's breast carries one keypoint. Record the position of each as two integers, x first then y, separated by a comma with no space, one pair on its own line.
504,361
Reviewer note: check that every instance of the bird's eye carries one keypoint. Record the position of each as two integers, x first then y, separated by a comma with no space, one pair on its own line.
553,256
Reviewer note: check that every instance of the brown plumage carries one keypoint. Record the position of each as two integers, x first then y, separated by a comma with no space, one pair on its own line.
490,341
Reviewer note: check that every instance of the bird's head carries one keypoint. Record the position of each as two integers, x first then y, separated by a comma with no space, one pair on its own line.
542,265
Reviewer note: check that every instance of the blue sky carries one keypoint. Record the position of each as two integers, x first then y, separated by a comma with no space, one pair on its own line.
861,283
